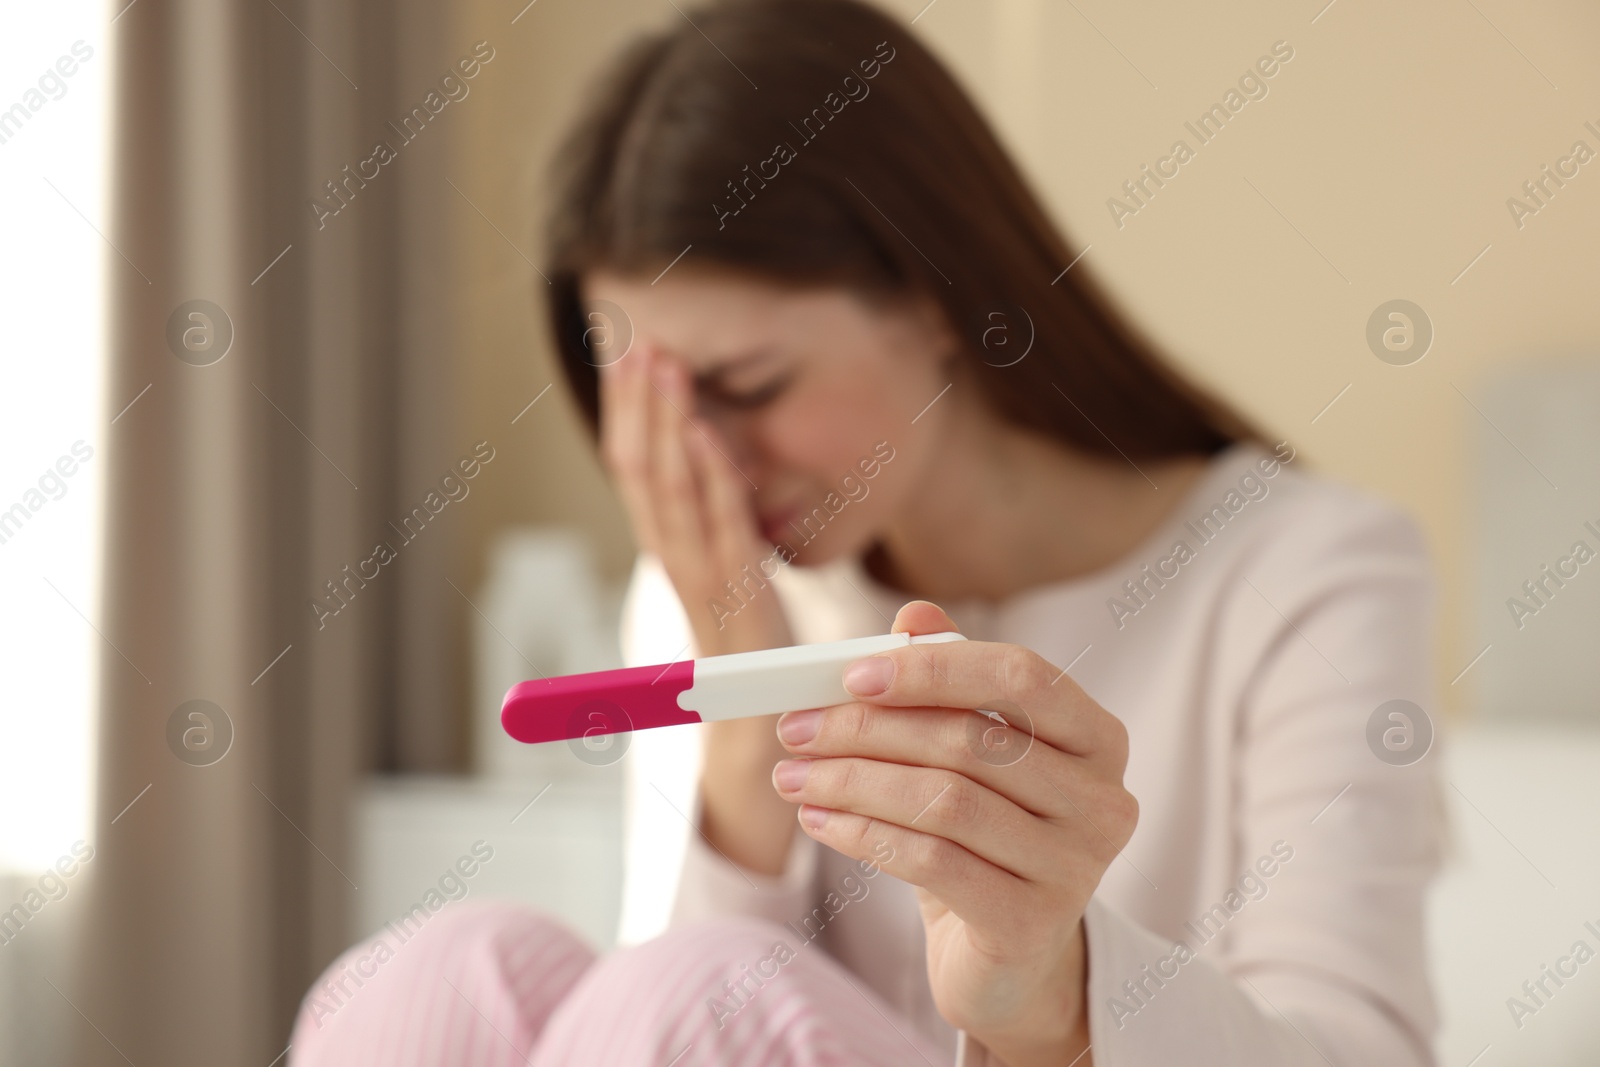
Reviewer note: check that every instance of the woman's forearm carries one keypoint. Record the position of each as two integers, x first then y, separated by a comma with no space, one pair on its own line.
740,814
1074,1051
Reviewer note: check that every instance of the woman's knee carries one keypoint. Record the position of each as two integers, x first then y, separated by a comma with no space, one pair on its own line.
732,988
731,936
498,954
707,970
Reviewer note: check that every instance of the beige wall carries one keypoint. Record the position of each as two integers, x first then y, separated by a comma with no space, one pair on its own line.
1377,166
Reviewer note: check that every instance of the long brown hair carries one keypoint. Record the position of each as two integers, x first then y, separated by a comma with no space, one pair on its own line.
817,142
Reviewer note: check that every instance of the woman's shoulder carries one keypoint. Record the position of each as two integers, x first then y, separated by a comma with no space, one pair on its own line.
1306,521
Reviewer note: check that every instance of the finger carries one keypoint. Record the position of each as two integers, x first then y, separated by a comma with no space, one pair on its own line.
987,898
621,428
611,411
938,802
675,495
1022,768
626,427
1005,678
920,617
735,537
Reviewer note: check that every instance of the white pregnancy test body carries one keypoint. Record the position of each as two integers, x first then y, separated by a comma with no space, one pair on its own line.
785,679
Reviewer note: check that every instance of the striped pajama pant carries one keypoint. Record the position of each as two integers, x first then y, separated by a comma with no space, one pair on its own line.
494,983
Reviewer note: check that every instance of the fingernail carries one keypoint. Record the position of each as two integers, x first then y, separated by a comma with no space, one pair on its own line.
798,727
813,817
866,677
790,774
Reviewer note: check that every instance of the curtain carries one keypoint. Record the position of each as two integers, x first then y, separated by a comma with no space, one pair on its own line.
279,399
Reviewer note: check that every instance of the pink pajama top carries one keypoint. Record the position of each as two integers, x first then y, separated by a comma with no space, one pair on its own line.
1269,908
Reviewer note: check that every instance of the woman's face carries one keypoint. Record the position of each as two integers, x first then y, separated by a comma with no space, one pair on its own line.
804,387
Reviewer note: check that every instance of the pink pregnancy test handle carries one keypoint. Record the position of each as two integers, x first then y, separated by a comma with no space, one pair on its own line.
600,702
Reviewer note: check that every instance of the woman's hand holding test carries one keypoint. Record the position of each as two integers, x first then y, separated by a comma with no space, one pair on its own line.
1004,830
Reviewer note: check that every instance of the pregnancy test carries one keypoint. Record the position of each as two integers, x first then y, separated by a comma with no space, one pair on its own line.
710,689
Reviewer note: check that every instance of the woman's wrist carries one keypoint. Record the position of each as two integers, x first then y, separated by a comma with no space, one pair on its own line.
1069,1051
1053,1029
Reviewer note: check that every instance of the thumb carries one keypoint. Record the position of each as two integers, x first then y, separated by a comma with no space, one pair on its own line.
923,617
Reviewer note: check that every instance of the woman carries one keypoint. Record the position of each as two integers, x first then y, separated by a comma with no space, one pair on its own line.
837,359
